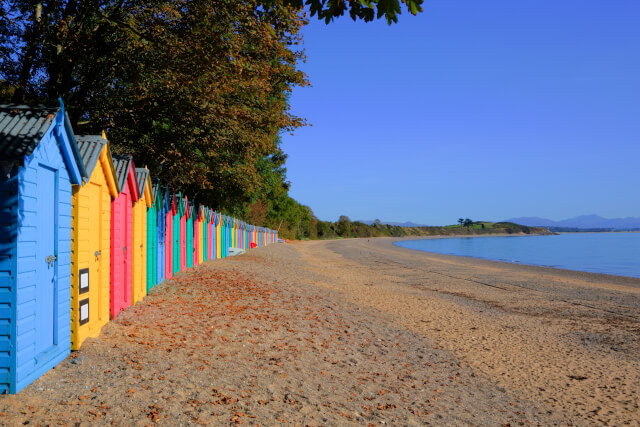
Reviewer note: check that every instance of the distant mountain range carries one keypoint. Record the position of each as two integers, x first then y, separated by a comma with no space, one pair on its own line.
581,222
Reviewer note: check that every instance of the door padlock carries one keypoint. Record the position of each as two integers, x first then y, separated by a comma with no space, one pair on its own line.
50,260
98,253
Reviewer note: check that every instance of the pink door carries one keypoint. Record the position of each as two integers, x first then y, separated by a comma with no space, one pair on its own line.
168,249
183,242
121,243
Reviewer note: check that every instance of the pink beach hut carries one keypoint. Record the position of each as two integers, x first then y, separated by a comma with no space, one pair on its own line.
122,234
168,236
196,234
183,233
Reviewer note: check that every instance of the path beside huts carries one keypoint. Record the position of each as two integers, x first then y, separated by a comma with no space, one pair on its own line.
254,339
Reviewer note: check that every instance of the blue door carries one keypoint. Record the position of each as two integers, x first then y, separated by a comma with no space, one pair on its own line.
213,240
160,240
46,263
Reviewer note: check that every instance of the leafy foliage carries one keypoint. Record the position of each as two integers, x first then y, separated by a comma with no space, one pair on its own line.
194,89
366,10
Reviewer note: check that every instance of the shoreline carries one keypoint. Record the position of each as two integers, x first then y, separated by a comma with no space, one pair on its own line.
612,276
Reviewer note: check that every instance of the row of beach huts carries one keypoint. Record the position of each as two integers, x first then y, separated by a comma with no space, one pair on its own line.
84,235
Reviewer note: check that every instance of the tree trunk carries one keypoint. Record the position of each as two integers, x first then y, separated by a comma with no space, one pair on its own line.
32,41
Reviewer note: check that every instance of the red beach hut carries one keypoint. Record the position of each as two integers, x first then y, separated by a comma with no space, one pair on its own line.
122,234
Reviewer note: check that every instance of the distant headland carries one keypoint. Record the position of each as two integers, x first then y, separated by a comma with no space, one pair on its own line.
582,223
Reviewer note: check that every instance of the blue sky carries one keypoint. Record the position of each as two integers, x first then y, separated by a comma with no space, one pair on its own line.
488,110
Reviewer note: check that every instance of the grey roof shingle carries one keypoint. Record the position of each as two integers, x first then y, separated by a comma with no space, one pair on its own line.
156,191
89,149
122,165
142,174
22,127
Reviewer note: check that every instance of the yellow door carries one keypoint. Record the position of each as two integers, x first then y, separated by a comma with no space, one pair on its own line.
94,238
201,242
136,265
218,242
90,269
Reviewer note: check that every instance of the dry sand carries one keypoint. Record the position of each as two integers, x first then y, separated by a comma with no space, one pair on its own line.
355,332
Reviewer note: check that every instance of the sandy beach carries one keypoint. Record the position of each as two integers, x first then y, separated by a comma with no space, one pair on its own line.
356,332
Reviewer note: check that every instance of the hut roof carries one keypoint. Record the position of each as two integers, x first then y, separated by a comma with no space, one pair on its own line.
156,190
142,174
122,165
89,149
22,127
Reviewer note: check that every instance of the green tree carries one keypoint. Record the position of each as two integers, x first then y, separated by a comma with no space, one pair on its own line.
201,104
467,223
366,10
343,226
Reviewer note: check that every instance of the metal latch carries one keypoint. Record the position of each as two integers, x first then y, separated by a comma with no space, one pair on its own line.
51,259
124,248
98,253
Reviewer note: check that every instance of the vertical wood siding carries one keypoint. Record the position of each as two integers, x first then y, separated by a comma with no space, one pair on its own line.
91,232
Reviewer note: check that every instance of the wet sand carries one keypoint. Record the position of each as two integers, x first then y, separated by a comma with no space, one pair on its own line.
355,332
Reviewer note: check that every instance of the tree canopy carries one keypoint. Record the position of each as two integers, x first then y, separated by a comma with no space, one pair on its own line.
196,90
366,10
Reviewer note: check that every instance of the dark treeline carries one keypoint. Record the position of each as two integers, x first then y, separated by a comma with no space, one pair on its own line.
196,90
309,227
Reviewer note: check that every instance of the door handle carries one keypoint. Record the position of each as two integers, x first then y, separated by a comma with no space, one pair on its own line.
51,259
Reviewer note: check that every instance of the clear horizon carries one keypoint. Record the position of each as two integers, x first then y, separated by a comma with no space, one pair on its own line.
490,111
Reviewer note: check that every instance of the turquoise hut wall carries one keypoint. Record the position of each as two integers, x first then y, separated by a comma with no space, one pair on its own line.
161,203
151,243
225,237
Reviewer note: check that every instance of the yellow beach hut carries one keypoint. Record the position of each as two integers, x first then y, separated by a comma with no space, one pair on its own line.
91,239
139,271
218,223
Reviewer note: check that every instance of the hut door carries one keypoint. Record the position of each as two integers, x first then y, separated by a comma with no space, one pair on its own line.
127,250
95,255
46,259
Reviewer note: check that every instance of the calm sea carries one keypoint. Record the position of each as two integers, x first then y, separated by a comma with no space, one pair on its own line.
609,253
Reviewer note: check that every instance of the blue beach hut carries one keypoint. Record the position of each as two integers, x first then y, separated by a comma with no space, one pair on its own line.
162,205
38,165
